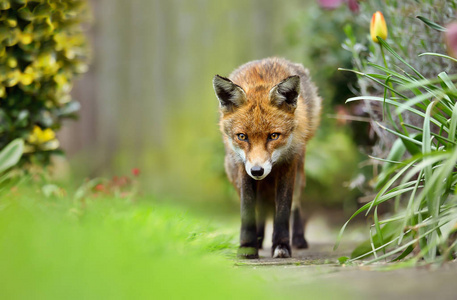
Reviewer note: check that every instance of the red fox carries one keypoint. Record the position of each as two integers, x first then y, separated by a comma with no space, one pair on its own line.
269,109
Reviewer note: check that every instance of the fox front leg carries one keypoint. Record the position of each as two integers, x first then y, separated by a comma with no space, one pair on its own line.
298,231
283,203
248,235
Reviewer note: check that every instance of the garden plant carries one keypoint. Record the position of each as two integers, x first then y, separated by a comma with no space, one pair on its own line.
42,50
411,79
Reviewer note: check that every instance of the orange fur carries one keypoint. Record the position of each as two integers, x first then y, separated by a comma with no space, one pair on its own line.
259,118
269,111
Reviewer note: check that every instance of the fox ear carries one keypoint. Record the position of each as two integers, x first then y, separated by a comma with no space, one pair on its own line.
286,92
230,95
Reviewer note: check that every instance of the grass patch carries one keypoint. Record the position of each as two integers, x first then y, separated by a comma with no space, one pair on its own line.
111,248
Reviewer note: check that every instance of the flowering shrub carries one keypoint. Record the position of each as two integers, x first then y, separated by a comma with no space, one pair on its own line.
42,49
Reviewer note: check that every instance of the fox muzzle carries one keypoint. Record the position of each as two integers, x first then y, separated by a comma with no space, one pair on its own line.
258,171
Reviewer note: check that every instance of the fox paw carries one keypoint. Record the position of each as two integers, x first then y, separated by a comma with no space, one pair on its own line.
248,252
299,242
282,251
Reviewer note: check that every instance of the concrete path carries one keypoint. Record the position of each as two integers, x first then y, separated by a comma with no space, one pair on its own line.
316,274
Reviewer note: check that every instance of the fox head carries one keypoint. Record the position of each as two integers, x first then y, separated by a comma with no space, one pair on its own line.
258,123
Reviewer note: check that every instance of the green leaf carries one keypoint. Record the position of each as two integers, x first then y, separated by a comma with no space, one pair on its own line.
343,259
70,108
413,148
395,155
432,24
439,55
395,54
11,154
25,13
391,194
453,125
388,231
437,119
378,229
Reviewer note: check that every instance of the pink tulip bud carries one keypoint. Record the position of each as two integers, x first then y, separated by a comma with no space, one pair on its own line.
330,4
451,39
353,5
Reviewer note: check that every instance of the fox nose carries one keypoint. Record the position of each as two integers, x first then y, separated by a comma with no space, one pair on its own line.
257,171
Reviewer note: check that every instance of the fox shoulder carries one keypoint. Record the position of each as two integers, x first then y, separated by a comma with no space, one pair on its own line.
310,96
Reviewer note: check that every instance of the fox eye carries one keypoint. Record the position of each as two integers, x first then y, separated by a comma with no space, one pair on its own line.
274,136
242,136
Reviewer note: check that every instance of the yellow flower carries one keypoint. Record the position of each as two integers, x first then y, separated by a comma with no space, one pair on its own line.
378,27
26,38
40,136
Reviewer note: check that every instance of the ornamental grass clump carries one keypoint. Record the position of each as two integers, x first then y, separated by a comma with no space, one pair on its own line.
419,174
42,50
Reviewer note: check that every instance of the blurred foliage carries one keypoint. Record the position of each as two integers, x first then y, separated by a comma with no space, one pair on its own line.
110,247
42,49
9,157
55,246
319,34
331,160
332,156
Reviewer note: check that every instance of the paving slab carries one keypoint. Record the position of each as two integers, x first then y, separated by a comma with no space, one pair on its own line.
315,273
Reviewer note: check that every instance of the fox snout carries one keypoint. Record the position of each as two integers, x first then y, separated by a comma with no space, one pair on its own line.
258,171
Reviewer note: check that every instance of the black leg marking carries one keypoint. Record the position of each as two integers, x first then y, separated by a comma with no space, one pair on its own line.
281,238
261,219
298,231
248,234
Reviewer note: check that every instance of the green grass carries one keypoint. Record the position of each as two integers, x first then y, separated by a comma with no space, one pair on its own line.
108,248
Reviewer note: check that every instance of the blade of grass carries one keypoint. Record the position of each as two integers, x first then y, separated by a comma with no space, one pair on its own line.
375,80
427,148
378,228
437,136
399,134
396,250
365,207
439,55
414,101
432,24
441,120
395,54
372,244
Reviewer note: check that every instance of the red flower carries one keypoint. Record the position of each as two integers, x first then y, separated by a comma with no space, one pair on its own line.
135,171
100,187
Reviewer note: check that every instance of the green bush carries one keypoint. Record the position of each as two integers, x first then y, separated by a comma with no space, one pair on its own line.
42,49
